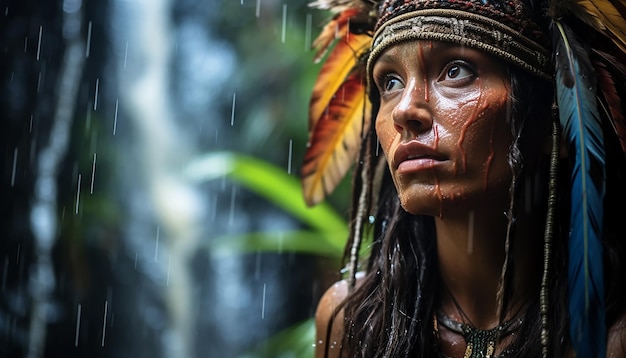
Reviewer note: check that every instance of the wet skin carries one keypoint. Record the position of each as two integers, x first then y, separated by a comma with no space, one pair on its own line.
443,126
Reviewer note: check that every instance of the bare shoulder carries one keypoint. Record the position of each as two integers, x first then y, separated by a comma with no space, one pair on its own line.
616,343
328,323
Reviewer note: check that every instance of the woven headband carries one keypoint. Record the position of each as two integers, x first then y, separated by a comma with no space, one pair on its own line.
464,29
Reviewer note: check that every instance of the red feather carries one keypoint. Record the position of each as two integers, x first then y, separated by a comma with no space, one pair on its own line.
610,92
335,139
336,28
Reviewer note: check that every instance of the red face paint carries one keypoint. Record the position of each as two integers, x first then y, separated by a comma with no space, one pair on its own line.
442,124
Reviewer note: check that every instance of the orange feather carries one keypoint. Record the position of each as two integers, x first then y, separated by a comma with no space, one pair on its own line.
336,28
335,139
340,63
605,16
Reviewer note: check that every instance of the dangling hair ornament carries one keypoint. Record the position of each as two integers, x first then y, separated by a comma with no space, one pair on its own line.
340,110
589,86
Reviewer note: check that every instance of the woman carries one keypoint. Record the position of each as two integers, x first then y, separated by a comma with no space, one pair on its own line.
494,215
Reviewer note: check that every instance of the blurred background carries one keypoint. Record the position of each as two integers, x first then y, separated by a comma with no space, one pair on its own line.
149,190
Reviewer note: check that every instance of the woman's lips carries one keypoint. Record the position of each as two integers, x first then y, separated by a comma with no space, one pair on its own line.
415,156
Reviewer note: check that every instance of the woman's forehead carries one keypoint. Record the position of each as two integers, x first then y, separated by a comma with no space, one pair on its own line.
419,50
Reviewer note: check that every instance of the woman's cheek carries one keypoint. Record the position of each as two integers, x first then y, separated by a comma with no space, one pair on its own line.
385,132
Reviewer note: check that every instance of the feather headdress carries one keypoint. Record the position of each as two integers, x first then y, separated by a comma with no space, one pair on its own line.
584,59
339,111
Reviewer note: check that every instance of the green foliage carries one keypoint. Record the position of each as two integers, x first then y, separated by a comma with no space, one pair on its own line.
276,186
326,236
273,83
294,342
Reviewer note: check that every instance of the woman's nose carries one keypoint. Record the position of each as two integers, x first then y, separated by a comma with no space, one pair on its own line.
412,113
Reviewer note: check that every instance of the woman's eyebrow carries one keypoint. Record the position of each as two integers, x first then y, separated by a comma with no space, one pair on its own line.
386,58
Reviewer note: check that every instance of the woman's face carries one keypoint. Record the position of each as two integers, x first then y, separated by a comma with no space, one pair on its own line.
443,126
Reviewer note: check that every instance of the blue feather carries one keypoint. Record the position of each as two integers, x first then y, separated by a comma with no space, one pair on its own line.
581,123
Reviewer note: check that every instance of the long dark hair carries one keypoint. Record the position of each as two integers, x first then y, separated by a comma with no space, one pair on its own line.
390,313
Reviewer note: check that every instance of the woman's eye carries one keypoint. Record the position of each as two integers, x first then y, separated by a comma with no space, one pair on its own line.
390,83
457,70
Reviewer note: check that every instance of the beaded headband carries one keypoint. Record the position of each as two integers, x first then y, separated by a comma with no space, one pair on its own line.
465,29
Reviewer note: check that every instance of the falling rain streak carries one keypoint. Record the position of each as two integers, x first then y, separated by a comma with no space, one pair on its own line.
257,266
307,32
95,96
282,38
231,216
169,266
93,173
156,246
263,304
88,47
117,105
14,167
39,42
232,112
258,8
125,54
104,323
77,326
39,82
78,194
290,153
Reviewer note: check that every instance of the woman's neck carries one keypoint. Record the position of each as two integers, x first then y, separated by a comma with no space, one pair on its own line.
471,252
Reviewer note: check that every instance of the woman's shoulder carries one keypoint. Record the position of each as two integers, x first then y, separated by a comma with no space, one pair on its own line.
329,319
616,342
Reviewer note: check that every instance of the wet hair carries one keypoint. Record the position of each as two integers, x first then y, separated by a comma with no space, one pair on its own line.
391,311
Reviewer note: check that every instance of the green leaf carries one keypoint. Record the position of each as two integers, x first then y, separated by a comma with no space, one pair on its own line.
294,342
305,242
272,183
